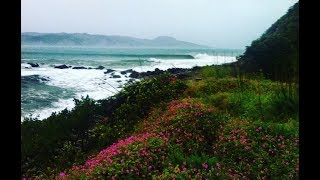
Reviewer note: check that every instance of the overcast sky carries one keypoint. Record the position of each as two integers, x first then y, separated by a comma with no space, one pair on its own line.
216,23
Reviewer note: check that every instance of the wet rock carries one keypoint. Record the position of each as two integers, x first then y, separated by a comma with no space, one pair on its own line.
62,67
79,67
99,67
34,64
195,68
108,71
116,76
134,74
126,71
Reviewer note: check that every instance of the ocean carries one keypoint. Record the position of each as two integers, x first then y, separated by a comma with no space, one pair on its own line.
46,89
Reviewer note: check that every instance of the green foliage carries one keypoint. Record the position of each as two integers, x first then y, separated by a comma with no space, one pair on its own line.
276,52
285,103
217,71
53,141
259,149
140,97
254,99
211,86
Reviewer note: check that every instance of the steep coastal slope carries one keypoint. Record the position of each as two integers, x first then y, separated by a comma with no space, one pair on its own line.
276,52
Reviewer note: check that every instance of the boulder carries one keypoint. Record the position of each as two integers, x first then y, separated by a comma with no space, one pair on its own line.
176,70
134,74
79,67
34,64
99,67
62,66
126,71
109,71
195,68
157,71
116,76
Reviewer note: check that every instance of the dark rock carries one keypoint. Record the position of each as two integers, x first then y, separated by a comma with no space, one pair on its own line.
99,67
198,79
157,71
27,67
34,64
80,67
176,70
196,68
109,71
119,81
126,71
134,74
89,67
116,76
62,66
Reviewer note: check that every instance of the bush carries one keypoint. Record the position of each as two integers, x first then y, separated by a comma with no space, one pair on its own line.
259,150
56,143
190,126
217,71
135,157
52,141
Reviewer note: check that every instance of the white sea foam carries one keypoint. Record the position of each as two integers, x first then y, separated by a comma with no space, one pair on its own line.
60,105
200,60
84,82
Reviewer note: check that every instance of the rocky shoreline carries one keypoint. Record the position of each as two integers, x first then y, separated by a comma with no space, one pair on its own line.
180,73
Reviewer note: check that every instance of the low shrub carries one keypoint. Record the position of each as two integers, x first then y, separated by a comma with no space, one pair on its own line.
259,150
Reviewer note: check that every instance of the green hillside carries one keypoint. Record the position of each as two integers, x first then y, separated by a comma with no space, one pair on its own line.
276,52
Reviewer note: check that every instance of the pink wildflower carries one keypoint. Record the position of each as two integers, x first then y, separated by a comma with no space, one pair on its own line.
205,165
184,169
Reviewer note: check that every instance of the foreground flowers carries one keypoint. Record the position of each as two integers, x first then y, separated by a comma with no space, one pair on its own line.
190,141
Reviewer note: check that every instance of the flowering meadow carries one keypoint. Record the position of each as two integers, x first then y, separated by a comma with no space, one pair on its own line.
167,128
191,141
